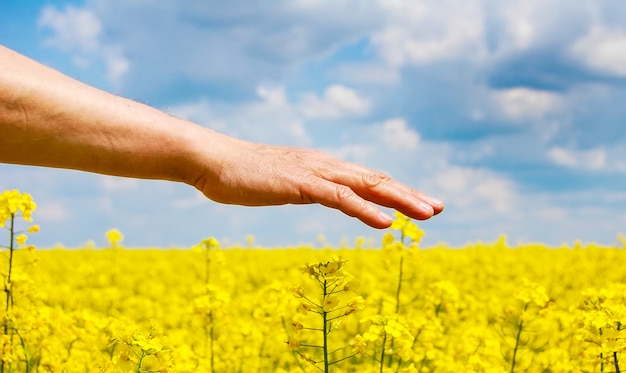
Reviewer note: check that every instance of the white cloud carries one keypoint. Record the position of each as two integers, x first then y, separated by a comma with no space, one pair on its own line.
118,184
79,31
592,159
424,32
523,103
520,25
272,95
358,153
269,118
477,191
200,112
337,101
603,50
397,135
239,43
73,29
52,211
116,65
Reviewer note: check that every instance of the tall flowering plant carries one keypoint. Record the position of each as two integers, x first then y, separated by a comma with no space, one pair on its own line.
13,206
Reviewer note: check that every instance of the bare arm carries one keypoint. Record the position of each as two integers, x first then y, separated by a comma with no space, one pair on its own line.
48,119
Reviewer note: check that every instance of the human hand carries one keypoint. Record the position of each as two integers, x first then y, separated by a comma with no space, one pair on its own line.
255,175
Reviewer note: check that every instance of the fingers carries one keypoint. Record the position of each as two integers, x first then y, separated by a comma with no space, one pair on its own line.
343,198
379,188
355,190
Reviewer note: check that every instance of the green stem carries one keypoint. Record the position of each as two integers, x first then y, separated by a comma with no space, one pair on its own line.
27,358
325,331
140,363
517,339
382,353
285,329
399,288
616,362
601,356
342,359
8,286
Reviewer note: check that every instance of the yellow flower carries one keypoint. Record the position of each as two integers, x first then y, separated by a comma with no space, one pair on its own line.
394,328
296,326
309,270
21,239
353,286
399,222
328,268
298,291
358,344
114,236
411,231
210,243
250,240
304,308
293,342
15,203
388,239
329,303
355,304
532,292
373,333
33,229
147,344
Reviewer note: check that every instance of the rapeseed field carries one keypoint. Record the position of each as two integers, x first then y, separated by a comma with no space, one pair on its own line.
394,307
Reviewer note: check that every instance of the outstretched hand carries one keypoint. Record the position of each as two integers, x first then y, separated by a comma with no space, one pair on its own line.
255,174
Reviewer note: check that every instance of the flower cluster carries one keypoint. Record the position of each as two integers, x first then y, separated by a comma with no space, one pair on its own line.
485,307
15,203
333,282
601,318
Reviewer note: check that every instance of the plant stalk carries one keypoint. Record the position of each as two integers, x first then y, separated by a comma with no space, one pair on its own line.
8,287
517,339
325,330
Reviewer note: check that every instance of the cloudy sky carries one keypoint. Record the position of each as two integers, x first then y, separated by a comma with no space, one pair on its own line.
511,112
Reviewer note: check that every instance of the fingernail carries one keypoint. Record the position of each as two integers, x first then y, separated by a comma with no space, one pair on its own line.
426,207
434,201
385,217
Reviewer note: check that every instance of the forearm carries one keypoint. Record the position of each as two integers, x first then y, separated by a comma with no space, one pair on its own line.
48,119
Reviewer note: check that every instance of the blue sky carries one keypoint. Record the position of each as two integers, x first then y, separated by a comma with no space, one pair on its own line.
511,112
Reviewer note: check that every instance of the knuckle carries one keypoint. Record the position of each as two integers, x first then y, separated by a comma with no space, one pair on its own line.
343,193
307,188
374,178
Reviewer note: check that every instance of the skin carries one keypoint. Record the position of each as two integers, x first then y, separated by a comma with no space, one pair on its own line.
51,120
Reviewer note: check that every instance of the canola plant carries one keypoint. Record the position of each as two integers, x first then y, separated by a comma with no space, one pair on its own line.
394,308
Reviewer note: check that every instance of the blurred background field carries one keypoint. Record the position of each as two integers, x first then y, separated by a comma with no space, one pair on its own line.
387,307
238,309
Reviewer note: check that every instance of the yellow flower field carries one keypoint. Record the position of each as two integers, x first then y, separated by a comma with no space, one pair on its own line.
396,307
